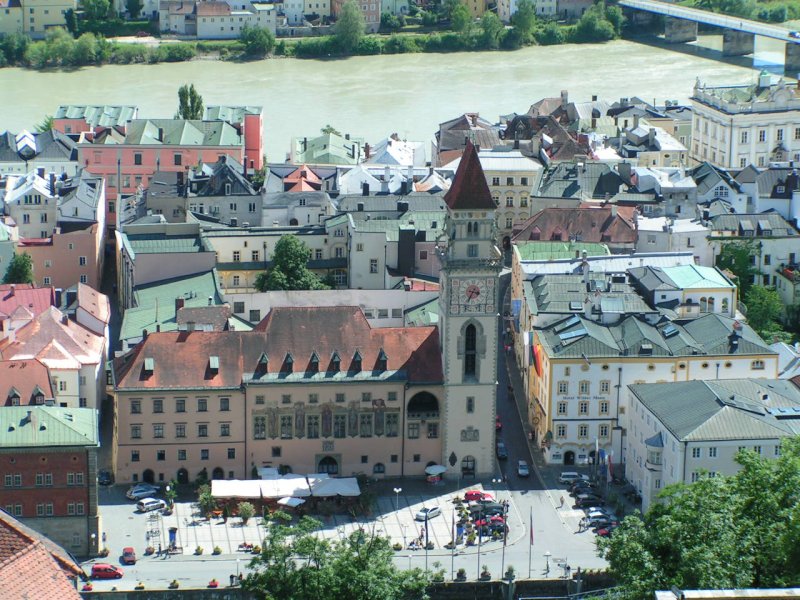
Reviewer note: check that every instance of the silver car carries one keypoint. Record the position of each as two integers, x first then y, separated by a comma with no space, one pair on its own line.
522,469
141,490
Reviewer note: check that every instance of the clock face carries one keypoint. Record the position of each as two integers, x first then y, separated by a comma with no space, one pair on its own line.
471,291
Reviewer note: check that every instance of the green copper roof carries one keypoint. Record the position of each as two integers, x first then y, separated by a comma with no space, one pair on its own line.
424,314
554,250
156,243
47,426
694,276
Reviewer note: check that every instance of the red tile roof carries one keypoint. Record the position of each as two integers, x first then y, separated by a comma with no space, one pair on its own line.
212,9
36,300
31,566
590,224
23,377
93,302
182,359
469,189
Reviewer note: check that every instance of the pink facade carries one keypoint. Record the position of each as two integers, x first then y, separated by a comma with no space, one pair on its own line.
127,166
71,125
254,141
65,259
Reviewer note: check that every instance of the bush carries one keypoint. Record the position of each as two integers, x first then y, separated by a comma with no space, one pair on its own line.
369,46
178,52
246,511
593,27
217,550
429,19
400,44
198,551
258,41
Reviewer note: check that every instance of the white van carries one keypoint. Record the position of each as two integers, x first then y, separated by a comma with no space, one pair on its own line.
571,477
148,504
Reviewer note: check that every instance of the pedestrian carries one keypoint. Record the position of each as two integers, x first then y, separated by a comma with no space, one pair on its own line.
233,579
562,502
159,550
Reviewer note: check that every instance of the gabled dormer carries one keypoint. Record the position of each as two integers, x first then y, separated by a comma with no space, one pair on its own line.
313,364
382,363
288,364
355,366
336,362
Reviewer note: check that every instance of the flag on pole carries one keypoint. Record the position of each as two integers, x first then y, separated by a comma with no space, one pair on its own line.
531,526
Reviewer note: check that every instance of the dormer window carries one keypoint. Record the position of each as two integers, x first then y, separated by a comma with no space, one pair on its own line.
314,363
356,362
263,363
213,364
382,361
288,363
149,366
336,362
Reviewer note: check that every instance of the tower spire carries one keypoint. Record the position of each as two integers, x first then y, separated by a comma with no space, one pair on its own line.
469,190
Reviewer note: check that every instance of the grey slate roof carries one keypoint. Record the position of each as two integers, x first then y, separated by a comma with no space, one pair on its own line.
592,180
388,202
756,222
556,294
745,409
285,199
50,145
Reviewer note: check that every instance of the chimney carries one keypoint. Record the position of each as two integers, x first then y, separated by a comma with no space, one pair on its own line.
160,134
211,300
365,189
179,304
144,334
367,151
594,97
613,211
52,184
347,136
387,174
410,177
13,287
587,308
635,121
244,165
564,98
624,170
651,136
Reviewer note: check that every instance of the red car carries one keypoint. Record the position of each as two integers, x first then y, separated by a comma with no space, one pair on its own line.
106,571
477,496
498,424
129,556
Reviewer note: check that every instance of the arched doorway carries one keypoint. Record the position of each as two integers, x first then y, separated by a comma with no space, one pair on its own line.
329,465
423,405
569,457
468,466
148,476
507,243
218,473
293,222
183,476
592,456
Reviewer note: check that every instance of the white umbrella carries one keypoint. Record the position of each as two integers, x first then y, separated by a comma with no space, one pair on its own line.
291,502
435,470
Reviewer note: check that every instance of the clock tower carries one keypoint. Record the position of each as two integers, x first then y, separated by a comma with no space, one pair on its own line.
468,319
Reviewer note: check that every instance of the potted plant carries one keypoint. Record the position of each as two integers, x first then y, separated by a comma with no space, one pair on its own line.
174,585
461,575
510,573
397,546
471,538
198,551
256,549
430,546
486,575
87,587
217,550
139,586
438,574
105,552
149,550
213,583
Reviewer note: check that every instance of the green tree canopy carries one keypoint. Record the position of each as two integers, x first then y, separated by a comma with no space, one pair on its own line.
460,18
738,257
289,269
719,532
525,18
296,564
764,310
492,30
134,7
46,124
349,27
258,41
190,103
96,10
20,269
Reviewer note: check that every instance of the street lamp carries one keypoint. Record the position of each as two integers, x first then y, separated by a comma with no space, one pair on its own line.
547,556
237,569
93,548
497,483
409,561
397,491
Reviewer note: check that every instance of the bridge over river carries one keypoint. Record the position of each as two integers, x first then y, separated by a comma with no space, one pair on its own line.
738,34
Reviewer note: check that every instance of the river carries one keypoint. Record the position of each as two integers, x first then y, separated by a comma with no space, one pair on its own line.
373,96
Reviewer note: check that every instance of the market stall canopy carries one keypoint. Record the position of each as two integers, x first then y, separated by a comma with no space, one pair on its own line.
325,488
435,470
288,486
235,488
291,502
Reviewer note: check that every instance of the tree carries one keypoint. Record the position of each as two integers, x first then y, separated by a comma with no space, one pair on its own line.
246,511
738,257
20,269
46,124
14,46
258,41
205,500
289,270
525,18
85,50
295,564
190,103
764,308
134,7
171,492
491,30
593,26
719,532
349,27
330,129
460,18
96,11
71,19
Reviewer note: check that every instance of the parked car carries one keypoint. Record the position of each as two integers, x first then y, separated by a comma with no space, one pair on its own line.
129,556
588,496
428,513
498,424
587,502
794,34
150,504
478,496
105,477
487,508
582,483
106,571
602,523
141,490
522,469
502,451
571,477
606,531
597,513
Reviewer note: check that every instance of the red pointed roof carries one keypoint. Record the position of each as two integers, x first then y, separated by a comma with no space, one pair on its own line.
469,189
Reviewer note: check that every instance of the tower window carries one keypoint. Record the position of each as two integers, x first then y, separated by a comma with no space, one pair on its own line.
470,353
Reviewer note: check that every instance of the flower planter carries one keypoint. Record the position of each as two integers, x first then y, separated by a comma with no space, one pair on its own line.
213,583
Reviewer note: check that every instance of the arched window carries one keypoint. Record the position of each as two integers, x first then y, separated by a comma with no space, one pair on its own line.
379,469
703,304
711,304
725,305
469,229
470,351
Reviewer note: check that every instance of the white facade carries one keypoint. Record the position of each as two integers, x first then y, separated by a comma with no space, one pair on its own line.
382,308
663,234
735,126
230,26
33,204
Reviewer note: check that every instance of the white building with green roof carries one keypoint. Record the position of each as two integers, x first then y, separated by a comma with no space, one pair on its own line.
682,431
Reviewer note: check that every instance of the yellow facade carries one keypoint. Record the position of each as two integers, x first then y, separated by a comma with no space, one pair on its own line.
10,18
40,15
476,7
